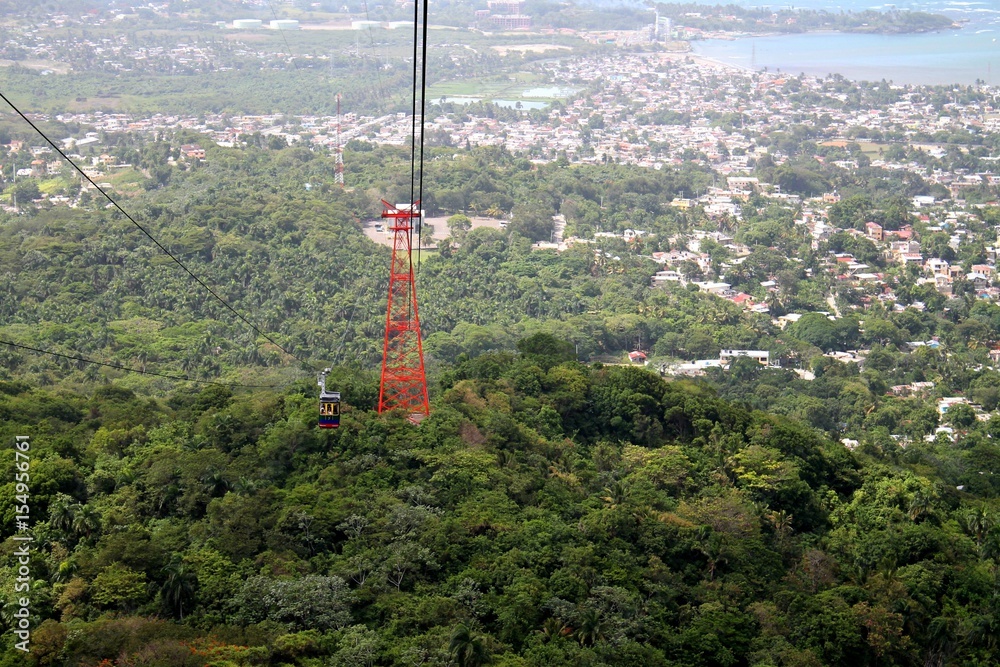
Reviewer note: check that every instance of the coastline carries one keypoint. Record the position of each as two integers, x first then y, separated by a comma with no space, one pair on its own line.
720,64
707,61
945,58
734,36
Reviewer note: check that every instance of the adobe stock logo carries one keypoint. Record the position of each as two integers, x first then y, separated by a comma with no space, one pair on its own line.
22,512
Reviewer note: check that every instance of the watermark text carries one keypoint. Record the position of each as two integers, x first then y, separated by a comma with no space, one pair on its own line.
22,513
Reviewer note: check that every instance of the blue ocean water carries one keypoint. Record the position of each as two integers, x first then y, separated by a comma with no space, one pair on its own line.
960,56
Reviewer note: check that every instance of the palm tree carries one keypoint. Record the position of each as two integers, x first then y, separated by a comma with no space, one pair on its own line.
468,647
782,522
552,628
979,522
66,571
215,483
179,586
920,505
591,628
61,513
86,520
167,495
617,493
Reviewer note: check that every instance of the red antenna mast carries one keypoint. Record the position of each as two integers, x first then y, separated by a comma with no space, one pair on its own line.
404,384
338,176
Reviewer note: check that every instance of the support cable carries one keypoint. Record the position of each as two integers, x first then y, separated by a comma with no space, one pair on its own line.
343,339
413,142
283,38
413,116
183,378
378,67
142,229
423,108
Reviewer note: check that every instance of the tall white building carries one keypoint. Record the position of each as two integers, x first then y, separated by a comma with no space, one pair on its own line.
662,28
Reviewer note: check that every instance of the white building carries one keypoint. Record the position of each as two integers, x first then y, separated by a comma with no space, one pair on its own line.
762,357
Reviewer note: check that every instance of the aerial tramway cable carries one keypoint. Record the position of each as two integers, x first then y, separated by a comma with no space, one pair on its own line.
423,108
202,283
343,339
165,251
280,30
413,122
419,75
136,370
378,67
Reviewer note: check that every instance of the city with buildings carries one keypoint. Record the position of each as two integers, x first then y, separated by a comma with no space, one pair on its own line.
652,109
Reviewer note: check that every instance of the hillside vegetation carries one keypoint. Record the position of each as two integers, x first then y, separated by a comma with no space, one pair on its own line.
552,510
546,513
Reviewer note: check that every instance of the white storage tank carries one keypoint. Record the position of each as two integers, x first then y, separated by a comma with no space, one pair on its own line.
247,24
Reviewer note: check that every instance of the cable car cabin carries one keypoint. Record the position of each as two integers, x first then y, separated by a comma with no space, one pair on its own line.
329,409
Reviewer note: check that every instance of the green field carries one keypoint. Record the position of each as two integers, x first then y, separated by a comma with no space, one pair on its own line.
872,150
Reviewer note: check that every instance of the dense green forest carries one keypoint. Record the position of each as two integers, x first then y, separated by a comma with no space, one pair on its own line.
559,506
297,260
85,281
555,508
546,512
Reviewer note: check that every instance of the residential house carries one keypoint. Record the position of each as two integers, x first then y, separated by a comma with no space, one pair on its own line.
763,357
873,230
193,151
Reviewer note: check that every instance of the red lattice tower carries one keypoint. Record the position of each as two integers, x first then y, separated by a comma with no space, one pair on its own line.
404,384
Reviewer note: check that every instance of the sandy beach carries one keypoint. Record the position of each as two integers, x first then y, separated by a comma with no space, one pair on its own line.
708,62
